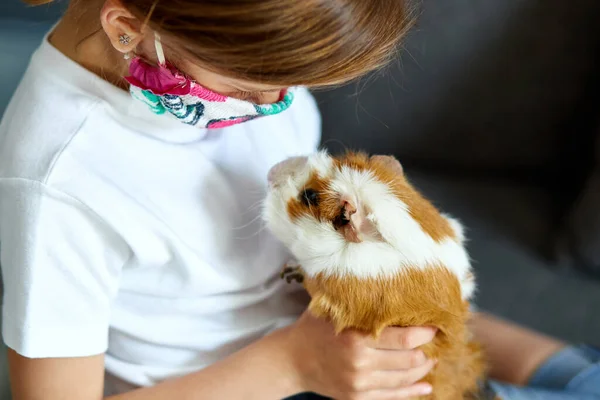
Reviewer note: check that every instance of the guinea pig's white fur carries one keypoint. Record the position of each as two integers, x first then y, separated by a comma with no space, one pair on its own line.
319,248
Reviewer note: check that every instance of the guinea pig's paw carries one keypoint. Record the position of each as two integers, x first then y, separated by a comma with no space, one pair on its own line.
292,263
292,272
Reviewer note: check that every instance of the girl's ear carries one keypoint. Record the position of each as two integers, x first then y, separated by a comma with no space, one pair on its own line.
123,29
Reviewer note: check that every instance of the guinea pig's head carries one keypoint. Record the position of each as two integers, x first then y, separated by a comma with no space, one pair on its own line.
325,208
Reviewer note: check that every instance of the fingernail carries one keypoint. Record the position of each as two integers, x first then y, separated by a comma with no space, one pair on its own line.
426,390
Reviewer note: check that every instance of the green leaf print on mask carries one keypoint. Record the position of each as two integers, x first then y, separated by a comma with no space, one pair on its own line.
152,100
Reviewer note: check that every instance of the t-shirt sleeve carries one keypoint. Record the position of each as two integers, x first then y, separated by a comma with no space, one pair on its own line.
61,265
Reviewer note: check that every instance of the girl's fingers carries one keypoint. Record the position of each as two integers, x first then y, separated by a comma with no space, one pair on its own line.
420,389
388,360
402,338
395,380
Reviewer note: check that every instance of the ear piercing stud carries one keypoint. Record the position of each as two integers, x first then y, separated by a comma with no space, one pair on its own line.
124,39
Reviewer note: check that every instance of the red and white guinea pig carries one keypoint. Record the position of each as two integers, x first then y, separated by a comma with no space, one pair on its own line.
373,253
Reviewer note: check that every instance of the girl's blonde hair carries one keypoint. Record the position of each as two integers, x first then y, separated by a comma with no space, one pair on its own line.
279,42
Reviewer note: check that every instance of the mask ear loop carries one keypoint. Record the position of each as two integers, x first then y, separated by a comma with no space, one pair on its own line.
159,50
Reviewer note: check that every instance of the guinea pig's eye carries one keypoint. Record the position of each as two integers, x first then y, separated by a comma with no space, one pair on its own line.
309,197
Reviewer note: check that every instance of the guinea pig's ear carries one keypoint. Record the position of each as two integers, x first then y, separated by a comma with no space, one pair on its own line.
389,162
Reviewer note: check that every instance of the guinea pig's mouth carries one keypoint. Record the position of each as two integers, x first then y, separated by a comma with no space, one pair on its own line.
343,218
343,223
354,225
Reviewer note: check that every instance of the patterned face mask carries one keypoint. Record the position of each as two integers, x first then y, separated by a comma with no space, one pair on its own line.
168,91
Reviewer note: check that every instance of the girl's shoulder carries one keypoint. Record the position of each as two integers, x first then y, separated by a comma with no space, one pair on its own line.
51,103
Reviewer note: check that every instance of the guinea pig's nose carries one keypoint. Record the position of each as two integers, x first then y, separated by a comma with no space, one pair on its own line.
285,168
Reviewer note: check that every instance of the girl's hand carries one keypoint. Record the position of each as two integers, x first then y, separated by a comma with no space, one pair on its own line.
353,366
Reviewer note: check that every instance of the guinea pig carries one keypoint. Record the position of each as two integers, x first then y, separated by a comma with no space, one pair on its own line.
372,252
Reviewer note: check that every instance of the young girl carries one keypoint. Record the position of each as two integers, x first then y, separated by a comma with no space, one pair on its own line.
133,160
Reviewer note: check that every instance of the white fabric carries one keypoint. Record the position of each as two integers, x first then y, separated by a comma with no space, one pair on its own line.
127,232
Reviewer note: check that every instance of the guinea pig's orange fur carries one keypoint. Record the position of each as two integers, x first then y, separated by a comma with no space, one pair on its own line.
414,297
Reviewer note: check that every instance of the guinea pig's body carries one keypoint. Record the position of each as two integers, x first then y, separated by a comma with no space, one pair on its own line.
375,253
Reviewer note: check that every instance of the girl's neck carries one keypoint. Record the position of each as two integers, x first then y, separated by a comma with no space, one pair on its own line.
80,37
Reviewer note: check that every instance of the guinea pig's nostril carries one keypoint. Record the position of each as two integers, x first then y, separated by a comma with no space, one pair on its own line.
347,208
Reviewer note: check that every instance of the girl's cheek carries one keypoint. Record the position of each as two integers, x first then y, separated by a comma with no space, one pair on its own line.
257,97
267,98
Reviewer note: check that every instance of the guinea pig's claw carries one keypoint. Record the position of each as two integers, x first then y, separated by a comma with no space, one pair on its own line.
298,277
292,273
285,271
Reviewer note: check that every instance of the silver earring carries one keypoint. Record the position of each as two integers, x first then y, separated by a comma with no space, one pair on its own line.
124,39
127,56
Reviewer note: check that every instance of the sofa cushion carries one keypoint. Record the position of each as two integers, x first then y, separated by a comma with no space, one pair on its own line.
580,241
17,9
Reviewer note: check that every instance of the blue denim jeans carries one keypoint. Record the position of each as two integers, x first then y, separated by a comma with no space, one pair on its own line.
571,374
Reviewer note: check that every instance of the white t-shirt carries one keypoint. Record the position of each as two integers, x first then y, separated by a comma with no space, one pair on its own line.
134,234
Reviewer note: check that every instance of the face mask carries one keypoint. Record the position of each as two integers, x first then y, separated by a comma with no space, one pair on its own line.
168,91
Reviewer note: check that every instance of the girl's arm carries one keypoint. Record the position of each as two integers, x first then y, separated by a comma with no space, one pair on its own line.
513,352
259,371
307,356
